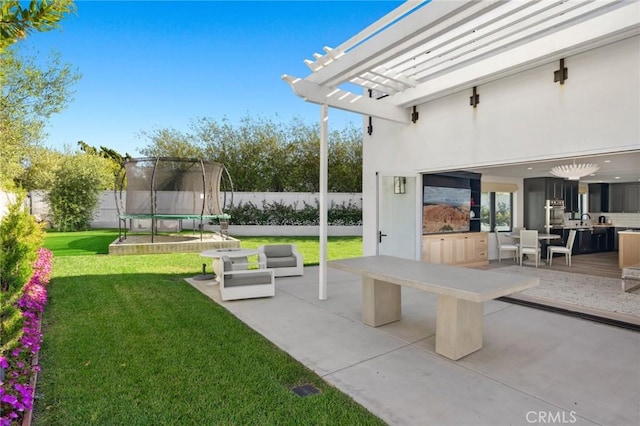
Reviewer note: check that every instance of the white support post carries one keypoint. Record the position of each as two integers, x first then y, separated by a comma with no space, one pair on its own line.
324,173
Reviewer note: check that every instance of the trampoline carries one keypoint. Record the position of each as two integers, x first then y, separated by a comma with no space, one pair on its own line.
165,188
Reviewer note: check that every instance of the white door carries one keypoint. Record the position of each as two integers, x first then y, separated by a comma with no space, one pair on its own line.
397,217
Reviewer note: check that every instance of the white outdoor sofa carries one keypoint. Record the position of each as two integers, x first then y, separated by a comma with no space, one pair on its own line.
245,283
283,259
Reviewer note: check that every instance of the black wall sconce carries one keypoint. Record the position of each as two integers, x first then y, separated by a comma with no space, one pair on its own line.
474,100
399,185
562,74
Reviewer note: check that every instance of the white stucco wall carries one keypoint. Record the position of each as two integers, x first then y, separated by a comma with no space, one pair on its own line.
520,118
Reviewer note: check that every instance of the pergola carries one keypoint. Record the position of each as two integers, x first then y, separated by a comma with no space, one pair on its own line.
424,50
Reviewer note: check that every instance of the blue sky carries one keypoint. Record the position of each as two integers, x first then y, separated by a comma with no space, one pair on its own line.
160,64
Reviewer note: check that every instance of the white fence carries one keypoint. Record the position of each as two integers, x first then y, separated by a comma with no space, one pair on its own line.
107,213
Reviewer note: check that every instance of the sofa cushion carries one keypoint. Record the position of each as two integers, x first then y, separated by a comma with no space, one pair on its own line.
281,262
278,250
253,278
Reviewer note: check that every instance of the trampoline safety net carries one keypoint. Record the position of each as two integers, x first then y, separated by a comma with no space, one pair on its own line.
170,188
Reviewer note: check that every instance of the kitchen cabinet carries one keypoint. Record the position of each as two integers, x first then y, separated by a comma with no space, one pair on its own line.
616,198
599,197
624,197
632,197
571,194
462,249
599,240
611,238
583,241
592,240
554,188
536,192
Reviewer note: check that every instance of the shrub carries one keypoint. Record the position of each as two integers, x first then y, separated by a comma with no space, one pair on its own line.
75,194
20,237
278,213
18,361
22,270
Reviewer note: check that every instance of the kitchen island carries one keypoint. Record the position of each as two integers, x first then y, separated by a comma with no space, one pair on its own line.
628,248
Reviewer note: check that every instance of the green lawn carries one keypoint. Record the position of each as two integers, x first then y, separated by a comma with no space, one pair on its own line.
97,242
128,341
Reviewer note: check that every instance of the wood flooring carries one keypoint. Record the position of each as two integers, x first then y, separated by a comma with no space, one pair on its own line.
597,264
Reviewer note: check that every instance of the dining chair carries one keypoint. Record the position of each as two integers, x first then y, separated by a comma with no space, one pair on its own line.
529,244
566,250
504,246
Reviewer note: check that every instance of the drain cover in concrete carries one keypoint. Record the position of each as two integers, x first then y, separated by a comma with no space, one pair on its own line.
305,390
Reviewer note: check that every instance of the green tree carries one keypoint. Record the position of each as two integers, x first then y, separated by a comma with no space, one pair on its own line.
17,19
503,214
169,142
39,168
29,95
113,159
76,189
345,160
265,155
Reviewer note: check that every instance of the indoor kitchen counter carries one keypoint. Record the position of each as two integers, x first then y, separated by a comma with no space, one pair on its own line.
590,237
628,248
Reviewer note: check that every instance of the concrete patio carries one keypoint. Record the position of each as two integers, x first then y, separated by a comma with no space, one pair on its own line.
536,367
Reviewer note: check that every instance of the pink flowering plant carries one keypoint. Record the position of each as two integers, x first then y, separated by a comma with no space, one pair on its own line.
19,363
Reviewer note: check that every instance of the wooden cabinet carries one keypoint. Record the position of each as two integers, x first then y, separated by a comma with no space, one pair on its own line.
629,252
468,249
437,250
482,247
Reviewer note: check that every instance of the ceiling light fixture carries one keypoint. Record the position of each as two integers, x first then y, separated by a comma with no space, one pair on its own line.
574,171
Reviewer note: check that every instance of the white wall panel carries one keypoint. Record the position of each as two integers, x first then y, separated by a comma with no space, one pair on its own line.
519,118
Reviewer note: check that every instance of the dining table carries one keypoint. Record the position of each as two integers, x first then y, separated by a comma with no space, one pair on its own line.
541,237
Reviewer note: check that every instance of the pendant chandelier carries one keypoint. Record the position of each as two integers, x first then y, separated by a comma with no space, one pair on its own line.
575,171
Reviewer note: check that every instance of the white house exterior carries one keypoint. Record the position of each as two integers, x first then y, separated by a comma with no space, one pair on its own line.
431,58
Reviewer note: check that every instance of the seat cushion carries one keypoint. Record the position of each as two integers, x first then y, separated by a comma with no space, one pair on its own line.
281,262
227,266
253,278
278,250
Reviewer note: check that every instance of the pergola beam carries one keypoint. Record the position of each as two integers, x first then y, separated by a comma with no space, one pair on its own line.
604,29
417,27
347,101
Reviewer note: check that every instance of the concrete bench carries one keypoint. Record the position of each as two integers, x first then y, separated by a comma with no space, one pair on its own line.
630,278
461,295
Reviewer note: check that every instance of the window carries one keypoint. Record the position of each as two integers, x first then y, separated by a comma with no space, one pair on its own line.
495,211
